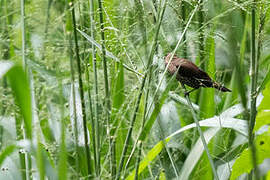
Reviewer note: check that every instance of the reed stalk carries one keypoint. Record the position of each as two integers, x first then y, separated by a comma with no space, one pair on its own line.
85,130
201,35
96,100
201,135
183,13
253,90
107,93
72,77
84,24
62,165
28,163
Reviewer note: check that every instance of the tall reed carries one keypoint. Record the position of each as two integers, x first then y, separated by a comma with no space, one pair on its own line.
28,164
253,89
96,99
107,94
84,25
201,35
85,131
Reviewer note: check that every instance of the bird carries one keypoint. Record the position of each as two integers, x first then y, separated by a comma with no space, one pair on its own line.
189,74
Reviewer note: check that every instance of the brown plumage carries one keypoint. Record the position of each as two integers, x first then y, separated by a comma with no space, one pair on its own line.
189,74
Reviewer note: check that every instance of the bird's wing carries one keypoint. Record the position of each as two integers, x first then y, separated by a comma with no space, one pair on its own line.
189,69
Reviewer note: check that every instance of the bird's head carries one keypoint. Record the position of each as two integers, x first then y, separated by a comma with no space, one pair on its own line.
167,58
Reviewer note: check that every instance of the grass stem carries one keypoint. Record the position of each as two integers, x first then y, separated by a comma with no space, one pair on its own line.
201,35
253,96
74,104
94,62
201,135
28,162
85,131
107,93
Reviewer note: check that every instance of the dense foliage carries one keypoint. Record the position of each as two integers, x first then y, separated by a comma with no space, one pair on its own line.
85,92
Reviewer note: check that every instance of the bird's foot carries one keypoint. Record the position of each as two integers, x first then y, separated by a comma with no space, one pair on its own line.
186,93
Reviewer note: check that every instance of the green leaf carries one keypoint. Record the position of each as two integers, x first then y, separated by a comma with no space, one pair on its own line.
262,119
244,39
118,96
263,115
158,105
151,155
40,160
196,153
265,80
6,152
68,23
232,97
162,176
243,164
207,102
265,104
202,168
118,90
21,90
216,122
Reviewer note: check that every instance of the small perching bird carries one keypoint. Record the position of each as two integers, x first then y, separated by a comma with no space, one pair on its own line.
189,74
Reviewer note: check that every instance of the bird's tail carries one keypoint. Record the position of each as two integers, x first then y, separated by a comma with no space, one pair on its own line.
220,87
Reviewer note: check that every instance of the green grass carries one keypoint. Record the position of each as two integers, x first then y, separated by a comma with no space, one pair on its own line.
85,93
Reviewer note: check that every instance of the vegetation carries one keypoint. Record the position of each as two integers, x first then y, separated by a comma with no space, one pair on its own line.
85,93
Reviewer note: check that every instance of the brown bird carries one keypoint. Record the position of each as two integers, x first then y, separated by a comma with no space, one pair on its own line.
189,74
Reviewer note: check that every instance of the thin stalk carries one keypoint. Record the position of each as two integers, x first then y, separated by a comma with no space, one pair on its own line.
46,26
22,155
260,39
72,74
183,11
201,135
138,160
18,119
6,56
86,63
253,97
47,18
167,149
201,35
91,112
28,162
107,94
140,17
23,35
29,166
97,136
123,155
155,10
127,140
141,129
86,140
39,158
62,165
